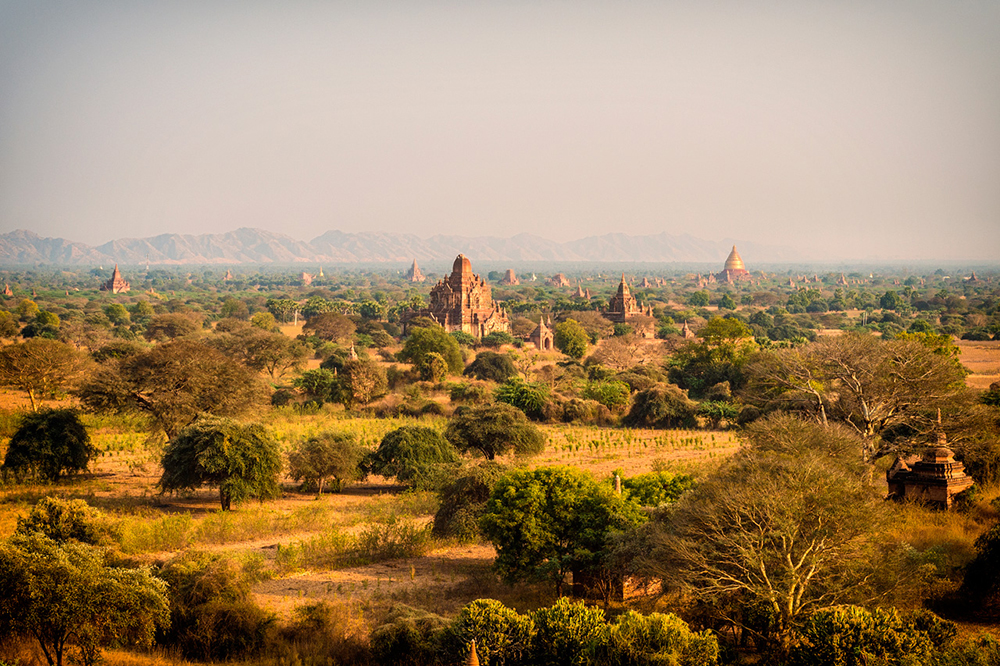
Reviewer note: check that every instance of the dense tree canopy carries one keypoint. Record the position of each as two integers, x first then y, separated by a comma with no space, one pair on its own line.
327,456
571,338
66,595
49,444
549,521
413,455
494,429
491,366
241,459
433,339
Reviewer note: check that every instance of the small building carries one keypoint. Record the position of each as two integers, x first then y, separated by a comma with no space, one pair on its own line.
414,274
934,478
7,291
543,337
117,284
559,280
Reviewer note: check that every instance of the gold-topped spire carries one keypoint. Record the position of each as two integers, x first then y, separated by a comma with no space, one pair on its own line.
734,262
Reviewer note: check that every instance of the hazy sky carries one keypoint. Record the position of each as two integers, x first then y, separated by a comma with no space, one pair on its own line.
845,129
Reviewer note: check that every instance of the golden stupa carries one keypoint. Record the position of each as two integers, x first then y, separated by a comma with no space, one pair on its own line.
734,269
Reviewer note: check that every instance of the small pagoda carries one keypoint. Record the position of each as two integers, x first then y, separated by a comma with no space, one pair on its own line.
117,284
509,278
542,337
934,478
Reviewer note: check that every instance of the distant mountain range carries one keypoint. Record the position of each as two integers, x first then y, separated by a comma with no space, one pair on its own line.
256,246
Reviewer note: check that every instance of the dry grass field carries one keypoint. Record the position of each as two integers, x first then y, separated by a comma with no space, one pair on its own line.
983,362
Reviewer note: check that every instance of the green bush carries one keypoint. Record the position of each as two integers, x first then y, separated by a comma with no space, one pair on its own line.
413,455
569,633
65,520
491,366
656,488
647,640
503,636
409,637
853,636
530,398
49,444
494,429
612,394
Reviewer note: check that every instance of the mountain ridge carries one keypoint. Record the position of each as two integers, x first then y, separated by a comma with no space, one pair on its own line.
259,246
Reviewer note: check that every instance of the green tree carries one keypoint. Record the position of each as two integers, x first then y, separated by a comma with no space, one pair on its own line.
494,429
66,595
330,326
235,309
40,367
174,382
549,521
242,459
568,633
491,366
320,385
334,456
44,325
264,321
8,325
720,356
571,338
657,638
117,314
727,302
853,636
413,455
423,341
49,444
698,299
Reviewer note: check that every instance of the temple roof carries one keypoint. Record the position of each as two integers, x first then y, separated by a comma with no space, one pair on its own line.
462,265
734,262
623,287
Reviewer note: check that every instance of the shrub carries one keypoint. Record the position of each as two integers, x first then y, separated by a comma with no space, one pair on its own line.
64,520
48,444
408,637
213,615
612,394
422,341
413,455
463,501
568,634
853,636
475,393
585,411
530,398
502,635
491,366
664,406
656,488
657,638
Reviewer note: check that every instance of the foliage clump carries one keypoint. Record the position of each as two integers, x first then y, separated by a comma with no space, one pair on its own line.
334,456
413,455
494,429
48,445
241,459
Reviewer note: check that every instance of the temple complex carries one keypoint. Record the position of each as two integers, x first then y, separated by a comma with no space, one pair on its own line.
117,284
414,274
734,270
935,478
509,279
464,302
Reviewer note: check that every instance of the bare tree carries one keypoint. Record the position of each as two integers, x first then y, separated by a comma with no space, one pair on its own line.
40,367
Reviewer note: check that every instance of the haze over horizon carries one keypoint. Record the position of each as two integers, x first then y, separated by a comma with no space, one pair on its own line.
845,130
